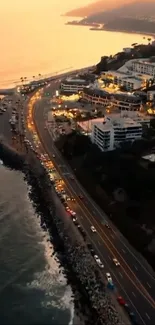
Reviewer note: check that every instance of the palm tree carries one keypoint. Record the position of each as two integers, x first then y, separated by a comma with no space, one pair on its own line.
149,40
22,79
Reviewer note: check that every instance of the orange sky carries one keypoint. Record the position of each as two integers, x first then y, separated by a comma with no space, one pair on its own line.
31,5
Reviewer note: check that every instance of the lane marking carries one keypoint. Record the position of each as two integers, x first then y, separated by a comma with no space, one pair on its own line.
123,251
101,214
86,213
147,316
112,236
121,274
109,257
136,267
133,294
148,285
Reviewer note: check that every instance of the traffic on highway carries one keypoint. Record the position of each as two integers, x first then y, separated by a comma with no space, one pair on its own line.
124,273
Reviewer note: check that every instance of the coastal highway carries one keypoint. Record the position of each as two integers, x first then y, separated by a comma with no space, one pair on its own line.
133,280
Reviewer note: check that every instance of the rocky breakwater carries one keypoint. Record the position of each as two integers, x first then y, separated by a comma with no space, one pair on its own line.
10,156
70,247
75,251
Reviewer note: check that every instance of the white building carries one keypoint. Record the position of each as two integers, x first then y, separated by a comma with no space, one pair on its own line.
109,133
73,86
127,80
144,67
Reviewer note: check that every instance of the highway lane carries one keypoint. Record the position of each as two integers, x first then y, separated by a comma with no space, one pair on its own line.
142,304
123,244
126,256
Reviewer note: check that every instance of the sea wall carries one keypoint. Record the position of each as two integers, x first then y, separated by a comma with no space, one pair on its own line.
70,247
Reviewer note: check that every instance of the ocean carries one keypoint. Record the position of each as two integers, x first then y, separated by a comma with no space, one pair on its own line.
33,288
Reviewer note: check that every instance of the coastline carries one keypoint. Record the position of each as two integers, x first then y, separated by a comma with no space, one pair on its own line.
128,32
93,27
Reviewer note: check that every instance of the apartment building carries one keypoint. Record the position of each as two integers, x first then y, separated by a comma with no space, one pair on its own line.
109,133
145,67
126,80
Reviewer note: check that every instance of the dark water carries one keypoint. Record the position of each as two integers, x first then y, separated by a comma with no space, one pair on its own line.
33,289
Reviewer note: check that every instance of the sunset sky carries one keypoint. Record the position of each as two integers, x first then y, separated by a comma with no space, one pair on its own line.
21,5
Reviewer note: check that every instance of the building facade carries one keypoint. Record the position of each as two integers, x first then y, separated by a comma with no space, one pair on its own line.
73,86
103,98
126,80
110,133
144,67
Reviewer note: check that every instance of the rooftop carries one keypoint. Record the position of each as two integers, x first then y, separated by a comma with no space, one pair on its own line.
146,61
76,81
121,96
112,120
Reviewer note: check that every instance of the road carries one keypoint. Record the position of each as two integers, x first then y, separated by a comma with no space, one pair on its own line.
134,281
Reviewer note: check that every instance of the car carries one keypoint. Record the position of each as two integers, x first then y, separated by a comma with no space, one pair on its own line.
72,178
53,156
132,316
98,261
107,226
127,307
81,197
121,301
74,220
72,199
93,229
109,278
73,213
100,264
116,261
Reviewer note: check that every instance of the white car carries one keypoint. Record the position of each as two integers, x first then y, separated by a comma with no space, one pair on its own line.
53,156
98,261
93,229
109,278
73,213
116,261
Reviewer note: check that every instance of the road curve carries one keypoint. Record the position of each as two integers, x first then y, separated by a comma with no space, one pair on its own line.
132,279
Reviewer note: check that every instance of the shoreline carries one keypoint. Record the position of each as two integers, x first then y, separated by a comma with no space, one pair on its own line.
93,27
70,249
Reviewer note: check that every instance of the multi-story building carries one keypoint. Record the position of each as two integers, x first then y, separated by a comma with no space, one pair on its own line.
96,96
121,101
73,86
109,133
126,80
145,67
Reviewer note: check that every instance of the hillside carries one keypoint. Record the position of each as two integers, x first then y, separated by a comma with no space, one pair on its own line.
143,9
97,6
131,25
